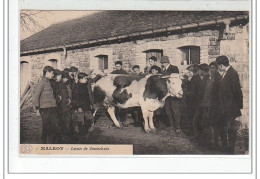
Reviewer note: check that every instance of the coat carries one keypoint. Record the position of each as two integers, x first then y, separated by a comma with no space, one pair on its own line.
119,72
171,69
82,95
230,95
65,93
192,93
43,95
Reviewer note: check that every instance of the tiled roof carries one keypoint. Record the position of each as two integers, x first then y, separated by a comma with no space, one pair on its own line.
114,23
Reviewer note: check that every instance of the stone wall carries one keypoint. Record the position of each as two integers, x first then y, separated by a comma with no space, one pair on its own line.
234,44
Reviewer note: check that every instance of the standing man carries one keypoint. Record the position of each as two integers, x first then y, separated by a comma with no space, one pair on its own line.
44,101
120,111
172,104
73,72
231,101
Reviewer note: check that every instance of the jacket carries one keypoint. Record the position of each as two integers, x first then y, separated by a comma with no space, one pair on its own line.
43,95
62,95
171,69
230,95
119,72
82,95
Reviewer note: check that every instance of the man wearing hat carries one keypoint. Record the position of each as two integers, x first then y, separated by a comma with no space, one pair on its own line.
172,104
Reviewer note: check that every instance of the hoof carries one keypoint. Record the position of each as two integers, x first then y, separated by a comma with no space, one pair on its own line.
119,127
125,124
153,130
147,130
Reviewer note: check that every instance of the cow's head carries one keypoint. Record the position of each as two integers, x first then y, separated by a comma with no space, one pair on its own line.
174,85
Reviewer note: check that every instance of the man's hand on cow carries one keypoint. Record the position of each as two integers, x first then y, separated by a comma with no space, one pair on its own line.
69,101
102,74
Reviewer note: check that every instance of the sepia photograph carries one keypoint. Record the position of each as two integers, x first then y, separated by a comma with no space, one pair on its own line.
150,82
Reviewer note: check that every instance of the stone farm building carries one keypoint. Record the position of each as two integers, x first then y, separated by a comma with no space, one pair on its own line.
97,41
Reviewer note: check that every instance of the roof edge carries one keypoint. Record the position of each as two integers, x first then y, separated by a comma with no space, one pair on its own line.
136,34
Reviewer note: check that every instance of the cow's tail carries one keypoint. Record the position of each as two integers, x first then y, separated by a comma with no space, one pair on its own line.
99,94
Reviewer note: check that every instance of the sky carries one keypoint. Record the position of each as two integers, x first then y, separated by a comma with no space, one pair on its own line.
47,18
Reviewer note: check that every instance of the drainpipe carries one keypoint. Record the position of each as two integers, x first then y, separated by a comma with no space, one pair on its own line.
227,23
64,52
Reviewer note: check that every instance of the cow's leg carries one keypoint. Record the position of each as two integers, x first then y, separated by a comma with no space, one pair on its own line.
111,112
150,116
146,124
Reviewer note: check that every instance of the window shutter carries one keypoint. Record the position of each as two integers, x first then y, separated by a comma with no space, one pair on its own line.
105,62
100,63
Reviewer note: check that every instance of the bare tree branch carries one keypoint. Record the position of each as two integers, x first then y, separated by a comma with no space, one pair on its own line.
29,22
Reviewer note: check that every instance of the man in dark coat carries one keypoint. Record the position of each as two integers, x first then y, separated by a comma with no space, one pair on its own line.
231,101
172,104
192,93
216,121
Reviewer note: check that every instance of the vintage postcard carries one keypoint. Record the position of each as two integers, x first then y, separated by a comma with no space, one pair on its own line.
129,85
154,82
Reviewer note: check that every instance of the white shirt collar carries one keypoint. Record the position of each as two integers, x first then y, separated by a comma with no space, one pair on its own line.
224,73
167,66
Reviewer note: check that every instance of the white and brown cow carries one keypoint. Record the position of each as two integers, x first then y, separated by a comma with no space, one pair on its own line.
148,92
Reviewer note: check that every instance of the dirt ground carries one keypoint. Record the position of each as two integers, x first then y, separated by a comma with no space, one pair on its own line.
163,141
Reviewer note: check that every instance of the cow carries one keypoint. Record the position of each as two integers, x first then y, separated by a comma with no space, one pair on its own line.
148,92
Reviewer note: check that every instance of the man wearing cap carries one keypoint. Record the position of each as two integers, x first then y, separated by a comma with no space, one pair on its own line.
74,76
172,104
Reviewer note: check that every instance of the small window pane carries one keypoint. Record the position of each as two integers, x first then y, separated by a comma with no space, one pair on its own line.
102,62
190,55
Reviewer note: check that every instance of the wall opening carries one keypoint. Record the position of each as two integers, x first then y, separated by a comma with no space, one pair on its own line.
24,75
154,52
190,55
102,62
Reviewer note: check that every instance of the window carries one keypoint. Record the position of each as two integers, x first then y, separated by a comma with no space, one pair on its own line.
154,52
190,55
102,62
53,63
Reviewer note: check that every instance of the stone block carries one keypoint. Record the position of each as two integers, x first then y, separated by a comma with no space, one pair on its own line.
173,37
215,33
148,40
182,35
212,38
190,34
163,38
214,52
207,33
198,34
213,43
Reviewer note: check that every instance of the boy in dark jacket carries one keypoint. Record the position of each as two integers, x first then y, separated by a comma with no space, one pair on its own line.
82,102
44,101
63,98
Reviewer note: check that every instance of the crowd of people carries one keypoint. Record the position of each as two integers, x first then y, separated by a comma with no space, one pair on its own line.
211,102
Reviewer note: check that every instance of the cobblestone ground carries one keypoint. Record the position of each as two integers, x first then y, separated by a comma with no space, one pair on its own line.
163,141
